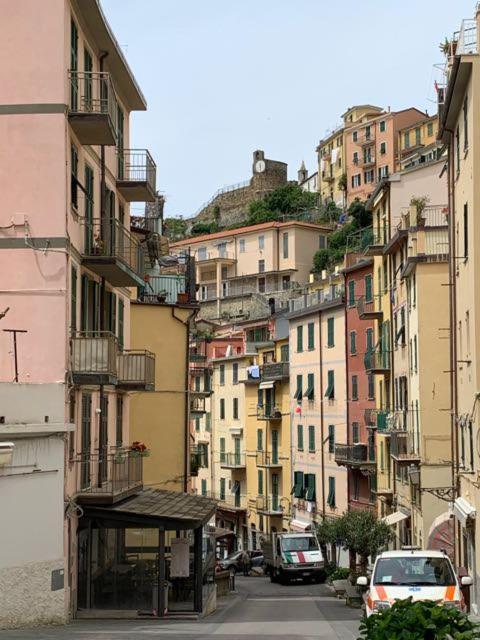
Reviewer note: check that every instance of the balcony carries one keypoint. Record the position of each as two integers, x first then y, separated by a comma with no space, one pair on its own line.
354,455
275,371
269,506
94,358
195,355
268,459
403,447
328,177
136,370
268,412
137,175
366,309
235,502
220,255
365,162
379,239
93,107
232,461
113,253
364,139
377,362
197,403
108,478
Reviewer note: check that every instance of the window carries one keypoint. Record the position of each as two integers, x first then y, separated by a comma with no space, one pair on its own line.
371,386
285,283
355,157
311,336
202,253
285,245
356,486
235,373
204,487
368,132
73,299
430,129
121,306
457,148
310,386
119,422
298,484
330,392
197,383
222,450
222,374
208,422
368,288
74,180
300,437
311,438
222,249
261,242
261,266
355,433
356,180
330,332
331,438
368,176
353,343
354,387
331,492
415,354
383,172
382,126
235,408
260,482
322,242
351,293
259,440
222,488
465,230
242,245
300,338
355,136
197,424
299,393
418,136
465,123
406,139
222,409
284,355
309,482
261,285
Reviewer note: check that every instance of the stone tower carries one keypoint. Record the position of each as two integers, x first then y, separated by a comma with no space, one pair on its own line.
302,173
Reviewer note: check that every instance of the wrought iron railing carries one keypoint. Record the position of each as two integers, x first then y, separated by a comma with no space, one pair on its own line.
234,459
109,238
110,474
268,412
377,361
354,454
404,446
136,165
92,92
275,371
94,353
268,459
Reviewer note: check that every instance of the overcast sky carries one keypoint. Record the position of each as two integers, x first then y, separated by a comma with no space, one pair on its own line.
225,77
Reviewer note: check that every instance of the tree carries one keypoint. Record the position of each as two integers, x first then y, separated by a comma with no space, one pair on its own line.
327,534
176,228
287,200
203,228
363,534
321,260
361,217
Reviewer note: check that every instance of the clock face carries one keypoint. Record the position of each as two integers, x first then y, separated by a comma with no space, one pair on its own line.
260,166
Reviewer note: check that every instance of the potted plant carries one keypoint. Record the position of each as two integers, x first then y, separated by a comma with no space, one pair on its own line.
420,203
139,449
182,297
162,295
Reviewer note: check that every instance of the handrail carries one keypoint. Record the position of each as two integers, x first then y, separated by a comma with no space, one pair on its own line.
92,92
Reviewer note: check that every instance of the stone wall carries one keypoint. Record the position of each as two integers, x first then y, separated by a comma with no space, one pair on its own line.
252,306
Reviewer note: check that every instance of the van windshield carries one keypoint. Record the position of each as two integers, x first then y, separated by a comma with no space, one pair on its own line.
300,544
414,571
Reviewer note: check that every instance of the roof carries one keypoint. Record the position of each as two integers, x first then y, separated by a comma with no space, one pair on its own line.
361,264
362,106
250,229
92,13
419,122
407,552
160,508
316,308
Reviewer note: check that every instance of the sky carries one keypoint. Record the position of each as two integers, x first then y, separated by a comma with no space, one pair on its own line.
225,77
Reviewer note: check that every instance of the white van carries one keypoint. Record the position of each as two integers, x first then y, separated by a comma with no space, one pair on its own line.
421,575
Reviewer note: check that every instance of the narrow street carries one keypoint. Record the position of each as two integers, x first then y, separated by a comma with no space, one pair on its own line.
260,609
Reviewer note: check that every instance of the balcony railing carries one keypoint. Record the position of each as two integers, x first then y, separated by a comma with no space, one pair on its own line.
232,501
197,403
268,412
94,357
377,361
354,454
93,107
467,38
136,370
367,309
232,460
268,459
404,447
137,175
365,139
107,478
275,371
378,239
269,505
113,253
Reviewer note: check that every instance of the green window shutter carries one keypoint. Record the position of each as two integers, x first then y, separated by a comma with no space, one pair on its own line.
204,487
222,488
311,335
235,408
351,293
284,355
197,424
208,421
330,392
259,440
300,437
84,307
222,409
331,438
222,449
353,342
260,482
371,387
197,383
369,340
298,484
235,373
121,308
300,338
222,374
330,332
299,393
260,398
311,438
331,492
354,387
113,314
368,288
355,432
310,487
275,446
310,386
73,299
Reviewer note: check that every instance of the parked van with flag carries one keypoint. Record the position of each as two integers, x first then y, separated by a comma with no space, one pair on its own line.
290,556
420,575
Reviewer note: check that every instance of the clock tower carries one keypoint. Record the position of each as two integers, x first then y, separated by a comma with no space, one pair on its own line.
259,164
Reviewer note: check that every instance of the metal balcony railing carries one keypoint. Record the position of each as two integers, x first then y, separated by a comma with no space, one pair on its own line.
377,361
108,477
94,357
268,459
136,370
269,504
354,454
233,460
268,412
93,107
404,447
234,500
137,174
368,309
107,240
466,38
275,371
364,139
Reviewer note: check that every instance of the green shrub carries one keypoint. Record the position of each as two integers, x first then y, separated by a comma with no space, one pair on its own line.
422,620
340,573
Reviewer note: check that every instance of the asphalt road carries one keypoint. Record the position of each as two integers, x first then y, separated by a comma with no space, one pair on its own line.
258,610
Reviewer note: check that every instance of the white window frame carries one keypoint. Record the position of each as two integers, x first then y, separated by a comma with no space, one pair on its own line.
261,242
242,245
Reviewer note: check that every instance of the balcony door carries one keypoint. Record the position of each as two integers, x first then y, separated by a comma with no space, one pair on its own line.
274,446
275,493
85,441
103,441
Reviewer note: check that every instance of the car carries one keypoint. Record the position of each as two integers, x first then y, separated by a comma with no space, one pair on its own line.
421,575
234,562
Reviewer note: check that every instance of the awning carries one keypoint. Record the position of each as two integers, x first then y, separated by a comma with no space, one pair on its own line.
463,510
395,518
300,525
266,385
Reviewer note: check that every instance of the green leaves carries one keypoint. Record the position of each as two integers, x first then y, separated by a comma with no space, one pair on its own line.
422,620
287,200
